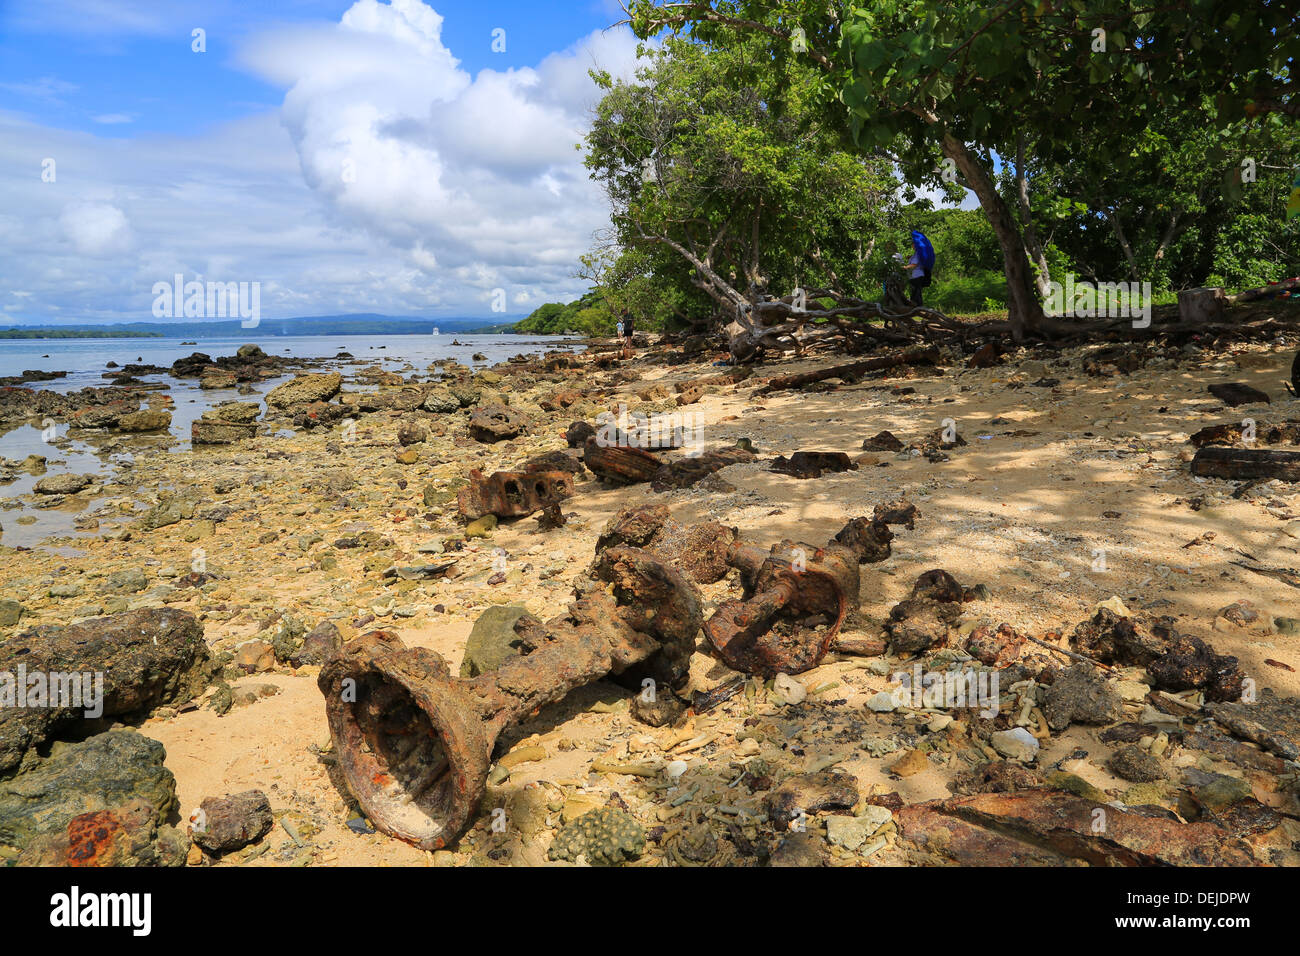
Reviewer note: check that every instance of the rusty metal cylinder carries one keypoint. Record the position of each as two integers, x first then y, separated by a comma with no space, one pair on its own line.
415,744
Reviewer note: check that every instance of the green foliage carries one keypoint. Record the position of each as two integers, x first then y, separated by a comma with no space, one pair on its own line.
1139,113
589,315
722,177
984,291
1253,250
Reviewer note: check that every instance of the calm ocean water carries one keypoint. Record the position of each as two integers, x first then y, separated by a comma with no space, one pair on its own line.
85,361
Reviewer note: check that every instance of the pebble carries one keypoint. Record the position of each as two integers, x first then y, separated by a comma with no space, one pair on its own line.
789,689
1015,744
882,702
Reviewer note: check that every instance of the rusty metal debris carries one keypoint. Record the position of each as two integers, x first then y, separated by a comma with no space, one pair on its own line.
813,464
796,596
415,744
619,464
495,423
796,599
513,494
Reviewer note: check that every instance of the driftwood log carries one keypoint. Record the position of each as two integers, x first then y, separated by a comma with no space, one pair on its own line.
923,356
1218,461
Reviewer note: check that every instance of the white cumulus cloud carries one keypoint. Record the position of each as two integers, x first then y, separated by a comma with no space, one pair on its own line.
476,177
96,229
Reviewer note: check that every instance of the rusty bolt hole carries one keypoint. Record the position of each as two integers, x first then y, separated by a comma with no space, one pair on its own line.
403,779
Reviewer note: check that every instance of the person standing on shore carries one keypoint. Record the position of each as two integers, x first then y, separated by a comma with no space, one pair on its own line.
627,331
620,328
920,265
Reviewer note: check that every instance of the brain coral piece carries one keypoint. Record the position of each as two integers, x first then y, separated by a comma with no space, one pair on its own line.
606,837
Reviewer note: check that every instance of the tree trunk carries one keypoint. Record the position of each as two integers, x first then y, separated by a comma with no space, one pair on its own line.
1032,244
1113,218
1026,311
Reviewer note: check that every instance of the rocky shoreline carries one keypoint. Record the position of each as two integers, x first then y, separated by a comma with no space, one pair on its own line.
360,499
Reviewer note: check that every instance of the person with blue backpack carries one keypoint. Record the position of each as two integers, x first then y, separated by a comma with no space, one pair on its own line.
921,265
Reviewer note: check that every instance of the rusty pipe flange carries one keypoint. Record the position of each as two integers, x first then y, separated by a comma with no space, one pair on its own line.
410,741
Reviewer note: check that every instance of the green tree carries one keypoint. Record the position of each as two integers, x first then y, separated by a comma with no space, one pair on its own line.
727,165
951,84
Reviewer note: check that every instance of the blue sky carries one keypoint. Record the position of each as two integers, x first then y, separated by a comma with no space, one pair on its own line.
372,156
124,68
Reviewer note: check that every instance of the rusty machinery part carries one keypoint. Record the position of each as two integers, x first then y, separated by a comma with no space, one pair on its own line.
796,599
415,744
620,464
513,494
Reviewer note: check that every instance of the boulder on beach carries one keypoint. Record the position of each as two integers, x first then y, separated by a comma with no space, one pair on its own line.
314,387
145,420
133,662
110,770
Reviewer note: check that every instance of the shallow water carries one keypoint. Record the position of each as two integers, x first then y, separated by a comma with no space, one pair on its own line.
86,360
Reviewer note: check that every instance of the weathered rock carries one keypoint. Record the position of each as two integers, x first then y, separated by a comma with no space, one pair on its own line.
493,639
1081,695
66,484
813,464
882,441
1135,764
126,581
318,645
316,387
411,433
145,658
11,612
576,435
100,773
205,432
481,527
465,393
216,378
1016,744
660,710
145,420
440,400
1190,664
254,657
167,512
804,848
554,461
496,423
999,776
806,793
231,822
128,835
236,412
997,648
923,620
1112,638
1221,792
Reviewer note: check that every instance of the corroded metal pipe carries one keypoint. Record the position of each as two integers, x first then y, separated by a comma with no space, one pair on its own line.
415,744
797,596
796,599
